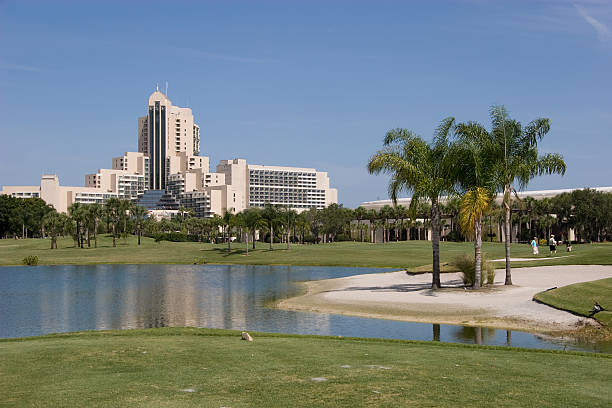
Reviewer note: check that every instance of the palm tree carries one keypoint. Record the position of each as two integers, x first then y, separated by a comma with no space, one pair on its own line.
77,212
360,215
270,215
519,161
252,221
424,169
95,213
287,217
126,208
140,214
385,214
54,226
474,158
227,223
113,209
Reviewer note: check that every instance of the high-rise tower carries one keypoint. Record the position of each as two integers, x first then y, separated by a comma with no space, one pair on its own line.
166,131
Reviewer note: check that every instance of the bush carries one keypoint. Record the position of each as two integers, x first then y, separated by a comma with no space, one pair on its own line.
170,236
465,264
455,236
30,260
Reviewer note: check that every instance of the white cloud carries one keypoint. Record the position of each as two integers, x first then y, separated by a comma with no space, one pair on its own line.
603,32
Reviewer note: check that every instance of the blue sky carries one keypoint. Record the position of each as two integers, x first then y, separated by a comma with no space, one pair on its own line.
300,83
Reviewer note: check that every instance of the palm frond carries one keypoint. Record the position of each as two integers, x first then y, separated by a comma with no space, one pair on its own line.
474,204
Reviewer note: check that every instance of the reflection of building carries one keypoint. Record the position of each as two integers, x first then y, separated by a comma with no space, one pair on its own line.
168,172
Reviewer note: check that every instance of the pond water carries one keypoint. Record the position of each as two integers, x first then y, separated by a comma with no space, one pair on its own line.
50,299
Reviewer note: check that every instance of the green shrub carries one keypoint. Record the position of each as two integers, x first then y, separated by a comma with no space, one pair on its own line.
199,261
170,236
465,264
30,260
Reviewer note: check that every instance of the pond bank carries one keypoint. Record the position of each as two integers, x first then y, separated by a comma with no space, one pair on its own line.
399,296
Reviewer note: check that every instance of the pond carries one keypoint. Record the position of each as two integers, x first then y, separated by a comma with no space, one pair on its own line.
51,299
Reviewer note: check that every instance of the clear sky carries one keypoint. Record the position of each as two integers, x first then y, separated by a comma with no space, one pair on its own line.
300,83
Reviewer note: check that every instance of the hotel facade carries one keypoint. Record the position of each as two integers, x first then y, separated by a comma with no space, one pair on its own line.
168,172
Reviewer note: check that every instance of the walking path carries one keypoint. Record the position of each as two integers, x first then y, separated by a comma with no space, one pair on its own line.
399,296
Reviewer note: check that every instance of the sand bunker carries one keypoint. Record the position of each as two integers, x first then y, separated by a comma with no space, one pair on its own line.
400,296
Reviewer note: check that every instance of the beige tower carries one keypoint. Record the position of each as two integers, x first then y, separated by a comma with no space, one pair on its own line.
166,131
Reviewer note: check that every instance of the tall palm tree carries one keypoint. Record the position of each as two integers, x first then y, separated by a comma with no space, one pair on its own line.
424,169
519,161
474,163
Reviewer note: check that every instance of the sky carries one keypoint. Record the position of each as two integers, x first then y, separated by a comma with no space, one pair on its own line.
300,83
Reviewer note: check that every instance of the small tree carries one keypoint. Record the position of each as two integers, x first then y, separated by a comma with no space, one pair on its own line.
139,215
54,226
113,209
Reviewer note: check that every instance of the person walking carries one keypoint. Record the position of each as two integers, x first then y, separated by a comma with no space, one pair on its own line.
553,245
534,246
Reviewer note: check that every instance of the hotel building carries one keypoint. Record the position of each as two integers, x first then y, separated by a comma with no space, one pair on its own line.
167,172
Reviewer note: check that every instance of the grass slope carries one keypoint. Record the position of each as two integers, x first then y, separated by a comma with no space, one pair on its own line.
580,297
394,254
214,368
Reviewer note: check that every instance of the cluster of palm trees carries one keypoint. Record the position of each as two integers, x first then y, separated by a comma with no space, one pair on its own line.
468,160
271,222
83,221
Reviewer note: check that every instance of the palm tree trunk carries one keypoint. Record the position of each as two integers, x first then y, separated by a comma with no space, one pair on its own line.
271,236
477,253
507,243
95,233
229,241
88,237
246,240
114,241
435,244
253,231
139,234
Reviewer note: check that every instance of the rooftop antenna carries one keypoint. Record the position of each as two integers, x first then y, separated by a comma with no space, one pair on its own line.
166,88
157,87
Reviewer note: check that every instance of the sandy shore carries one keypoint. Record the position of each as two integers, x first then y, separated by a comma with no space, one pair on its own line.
400,296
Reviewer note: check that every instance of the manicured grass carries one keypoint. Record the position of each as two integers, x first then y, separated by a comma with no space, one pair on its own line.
214,368
580,297
394,254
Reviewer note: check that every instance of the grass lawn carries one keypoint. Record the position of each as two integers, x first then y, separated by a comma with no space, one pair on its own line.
580,297
395,254
214,368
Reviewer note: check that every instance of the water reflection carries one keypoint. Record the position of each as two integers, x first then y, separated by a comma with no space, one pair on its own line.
46,299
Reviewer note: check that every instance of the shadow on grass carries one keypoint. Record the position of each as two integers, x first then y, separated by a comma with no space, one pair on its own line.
406,287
